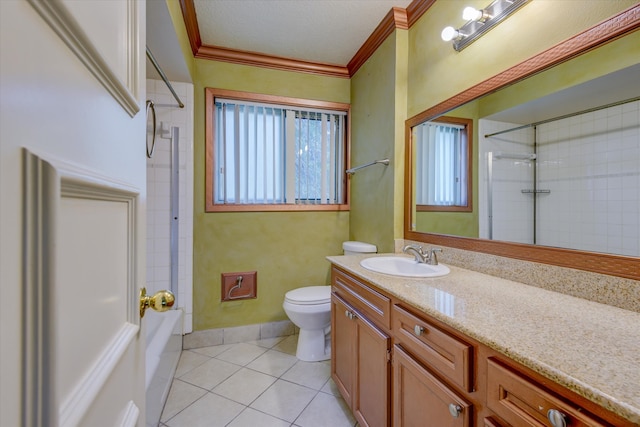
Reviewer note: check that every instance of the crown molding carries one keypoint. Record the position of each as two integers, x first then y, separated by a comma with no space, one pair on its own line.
217,53
416,9
397,18
191,24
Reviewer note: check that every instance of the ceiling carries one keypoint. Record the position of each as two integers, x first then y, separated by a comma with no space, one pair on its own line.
611,88
316,31
320,31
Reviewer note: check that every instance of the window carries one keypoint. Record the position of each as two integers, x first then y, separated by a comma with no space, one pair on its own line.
443,165
268,153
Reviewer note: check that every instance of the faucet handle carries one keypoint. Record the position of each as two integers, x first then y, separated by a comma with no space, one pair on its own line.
433,259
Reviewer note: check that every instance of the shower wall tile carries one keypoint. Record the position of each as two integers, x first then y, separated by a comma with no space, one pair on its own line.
158,195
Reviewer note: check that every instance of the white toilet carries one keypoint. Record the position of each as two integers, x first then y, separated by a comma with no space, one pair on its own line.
309,308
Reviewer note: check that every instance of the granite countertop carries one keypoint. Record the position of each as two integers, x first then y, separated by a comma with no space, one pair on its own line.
588,347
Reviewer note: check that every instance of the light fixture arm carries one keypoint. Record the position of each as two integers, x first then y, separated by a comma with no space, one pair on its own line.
480,21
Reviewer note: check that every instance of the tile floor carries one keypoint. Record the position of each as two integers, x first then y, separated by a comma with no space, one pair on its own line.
258,383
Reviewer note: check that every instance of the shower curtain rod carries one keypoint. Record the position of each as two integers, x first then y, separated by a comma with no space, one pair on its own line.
164,77
566,116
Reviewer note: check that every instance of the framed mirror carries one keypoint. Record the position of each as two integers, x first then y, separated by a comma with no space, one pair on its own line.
535,99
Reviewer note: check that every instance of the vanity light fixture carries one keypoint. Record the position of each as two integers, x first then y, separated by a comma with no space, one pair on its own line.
480,21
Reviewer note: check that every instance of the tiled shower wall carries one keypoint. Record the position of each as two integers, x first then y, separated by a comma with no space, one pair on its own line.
158,196
591,165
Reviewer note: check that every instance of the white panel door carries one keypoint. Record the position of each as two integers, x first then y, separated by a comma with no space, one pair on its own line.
72,192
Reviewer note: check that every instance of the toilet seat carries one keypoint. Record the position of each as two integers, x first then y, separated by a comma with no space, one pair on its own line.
310,295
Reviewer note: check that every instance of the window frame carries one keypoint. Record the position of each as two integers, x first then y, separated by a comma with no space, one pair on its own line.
210,98
468,129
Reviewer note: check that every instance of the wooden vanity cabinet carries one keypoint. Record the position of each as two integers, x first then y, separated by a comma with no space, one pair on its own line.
439,376
361,351
519,400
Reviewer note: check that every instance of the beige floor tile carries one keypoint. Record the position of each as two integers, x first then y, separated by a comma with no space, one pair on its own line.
210,410
252,418
241,354
273,363
309,374
244,386
180,396
326,410
330,388
284,400
212,351
288,345
267,342
210,374
188,361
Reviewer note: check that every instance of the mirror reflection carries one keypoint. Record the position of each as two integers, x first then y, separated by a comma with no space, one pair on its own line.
559,170
443,150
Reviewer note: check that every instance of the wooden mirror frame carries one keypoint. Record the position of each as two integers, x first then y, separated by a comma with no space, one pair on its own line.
615,265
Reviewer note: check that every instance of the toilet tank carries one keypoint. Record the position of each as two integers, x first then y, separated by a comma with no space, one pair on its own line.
355,248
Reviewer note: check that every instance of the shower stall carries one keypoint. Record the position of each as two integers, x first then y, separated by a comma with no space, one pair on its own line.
571,181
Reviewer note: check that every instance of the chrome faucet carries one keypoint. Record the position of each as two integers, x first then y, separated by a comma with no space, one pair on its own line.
421,256
418,253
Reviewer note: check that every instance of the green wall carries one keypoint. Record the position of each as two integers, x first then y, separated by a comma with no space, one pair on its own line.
377,117
287,249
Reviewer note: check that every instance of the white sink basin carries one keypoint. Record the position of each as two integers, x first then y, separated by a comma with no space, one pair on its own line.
403,266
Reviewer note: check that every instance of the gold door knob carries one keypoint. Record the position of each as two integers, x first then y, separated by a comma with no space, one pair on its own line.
160,301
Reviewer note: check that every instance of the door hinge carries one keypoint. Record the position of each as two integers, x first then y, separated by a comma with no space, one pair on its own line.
389,355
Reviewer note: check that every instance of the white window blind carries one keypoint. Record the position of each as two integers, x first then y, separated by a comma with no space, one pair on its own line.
441,168
267,154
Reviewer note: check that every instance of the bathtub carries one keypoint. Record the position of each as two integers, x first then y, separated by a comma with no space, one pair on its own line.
164,344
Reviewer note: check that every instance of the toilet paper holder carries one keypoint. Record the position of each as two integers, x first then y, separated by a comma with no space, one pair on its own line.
237,286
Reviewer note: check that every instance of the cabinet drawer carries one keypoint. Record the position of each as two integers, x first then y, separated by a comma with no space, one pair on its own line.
375,306
421,399
521,402
491,422
441,352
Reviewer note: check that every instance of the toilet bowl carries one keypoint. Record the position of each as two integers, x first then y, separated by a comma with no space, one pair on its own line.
309,308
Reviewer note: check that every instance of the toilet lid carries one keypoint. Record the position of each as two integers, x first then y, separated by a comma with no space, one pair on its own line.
309,295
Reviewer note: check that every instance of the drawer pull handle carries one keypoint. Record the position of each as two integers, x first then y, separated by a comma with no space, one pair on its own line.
557,418
455,410
349,314
418,330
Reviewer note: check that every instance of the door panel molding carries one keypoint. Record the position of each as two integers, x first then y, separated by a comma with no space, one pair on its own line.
78,403
39,189
131,415
45,183
62,21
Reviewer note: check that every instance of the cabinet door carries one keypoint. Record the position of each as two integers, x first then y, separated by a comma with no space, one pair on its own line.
371,400
422,400
343,355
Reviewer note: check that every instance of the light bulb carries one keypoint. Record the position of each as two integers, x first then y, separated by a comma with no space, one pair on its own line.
471,14
449,33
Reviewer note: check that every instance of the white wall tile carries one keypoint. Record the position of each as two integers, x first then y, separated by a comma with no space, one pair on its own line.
158,197
591,163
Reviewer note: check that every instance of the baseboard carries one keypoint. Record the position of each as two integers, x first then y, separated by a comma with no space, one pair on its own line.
237,334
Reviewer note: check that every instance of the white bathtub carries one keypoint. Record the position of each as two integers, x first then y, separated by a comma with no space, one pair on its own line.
164,344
